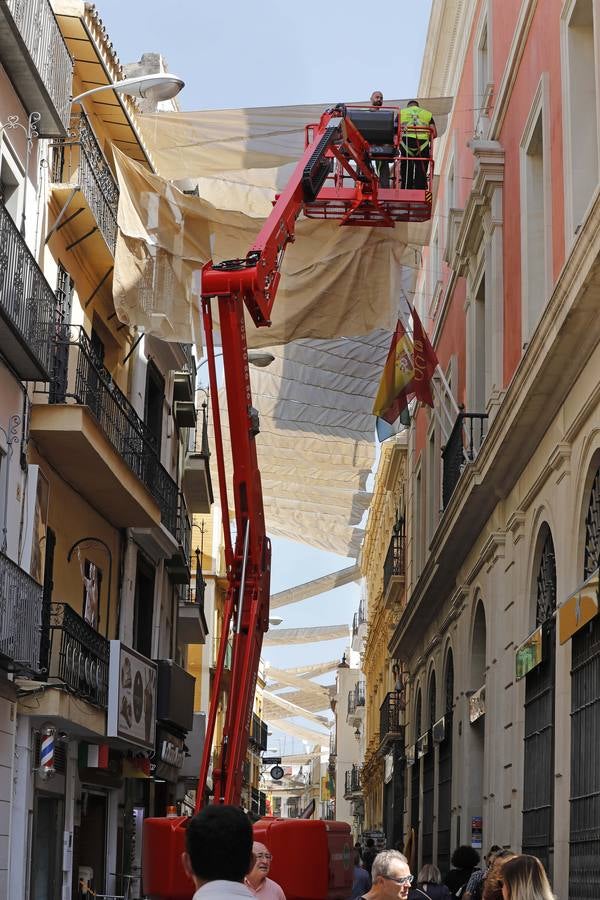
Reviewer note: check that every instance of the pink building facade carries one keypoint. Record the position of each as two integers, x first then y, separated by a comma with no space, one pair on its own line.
504,474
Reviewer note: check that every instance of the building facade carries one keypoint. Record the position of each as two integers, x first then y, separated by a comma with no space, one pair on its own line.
499,642
383,568
99,428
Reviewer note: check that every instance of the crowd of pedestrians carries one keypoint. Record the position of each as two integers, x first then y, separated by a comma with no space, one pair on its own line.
224,861
505,875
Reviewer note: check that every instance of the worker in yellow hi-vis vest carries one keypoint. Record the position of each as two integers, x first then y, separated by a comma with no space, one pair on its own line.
417,131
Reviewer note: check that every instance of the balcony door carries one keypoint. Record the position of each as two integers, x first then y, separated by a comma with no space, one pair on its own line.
46,857
144,607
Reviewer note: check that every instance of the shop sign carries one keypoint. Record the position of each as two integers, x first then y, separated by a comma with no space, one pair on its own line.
578,609
172,753
131,696
529,654
477,705
423,745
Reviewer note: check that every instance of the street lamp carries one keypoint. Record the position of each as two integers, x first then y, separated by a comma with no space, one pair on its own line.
157,87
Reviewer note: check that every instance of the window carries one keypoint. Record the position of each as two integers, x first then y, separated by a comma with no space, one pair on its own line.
11,183
478,349
581,115
153,411
482,76
433,479
536,205
143,608
418,536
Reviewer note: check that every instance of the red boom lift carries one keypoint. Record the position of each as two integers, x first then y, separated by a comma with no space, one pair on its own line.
336,178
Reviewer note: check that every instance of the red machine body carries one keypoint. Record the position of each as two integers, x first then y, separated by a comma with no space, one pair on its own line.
335,179
312,860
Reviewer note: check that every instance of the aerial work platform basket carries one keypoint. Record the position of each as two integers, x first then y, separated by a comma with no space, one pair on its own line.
405,189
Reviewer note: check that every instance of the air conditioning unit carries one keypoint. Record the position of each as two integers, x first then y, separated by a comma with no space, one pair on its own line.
184,413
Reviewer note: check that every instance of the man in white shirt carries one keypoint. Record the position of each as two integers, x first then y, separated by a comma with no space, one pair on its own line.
219,852
257,880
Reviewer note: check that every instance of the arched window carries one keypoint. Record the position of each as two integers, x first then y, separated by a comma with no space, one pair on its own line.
538,763
428,778
445,771
584,829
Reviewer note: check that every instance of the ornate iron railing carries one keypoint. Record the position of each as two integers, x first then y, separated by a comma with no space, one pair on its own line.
183,528
258,732
353,780
394,565
78,655
332,743
462,447
20,616
356,697
79,159
47,48
26,298
390,715
87,382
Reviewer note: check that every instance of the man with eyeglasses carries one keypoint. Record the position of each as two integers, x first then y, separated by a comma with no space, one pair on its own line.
390,876
257,879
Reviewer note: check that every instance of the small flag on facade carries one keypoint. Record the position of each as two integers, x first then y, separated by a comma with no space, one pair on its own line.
407,373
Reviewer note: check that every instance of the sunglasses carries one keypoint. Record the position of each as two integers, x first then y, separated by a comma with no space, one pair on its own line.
406,879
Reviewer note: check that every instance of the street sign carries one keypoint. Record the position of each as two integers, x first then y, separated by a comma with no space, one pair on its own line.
271,760
277,773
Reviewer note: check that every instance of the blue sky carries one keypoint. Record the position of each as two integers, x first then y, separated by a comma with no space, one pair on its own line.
270,53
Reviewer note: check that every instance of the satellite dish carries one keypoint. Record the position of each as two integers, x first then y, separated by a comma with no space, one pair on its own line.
277,773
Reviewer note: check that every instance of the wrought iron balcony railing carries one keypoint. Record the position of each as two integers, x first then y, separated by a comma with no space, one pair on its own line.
46,46
359,618
463,446
80,377
353,780
20,616
332,743
79,159
79,656
394,565
258,732
27,303
356,697
183,528
390,716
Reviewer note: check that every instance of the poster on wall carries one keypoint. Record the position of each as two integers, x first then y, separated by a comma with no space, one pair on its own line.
131,696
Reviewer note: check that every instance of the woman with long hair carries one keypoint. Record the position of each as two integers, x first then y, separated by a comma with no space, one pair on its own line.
524,878
492,886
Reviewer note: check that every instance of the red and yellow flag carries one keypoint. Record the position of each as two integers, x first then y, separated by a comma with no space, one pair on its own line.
407,373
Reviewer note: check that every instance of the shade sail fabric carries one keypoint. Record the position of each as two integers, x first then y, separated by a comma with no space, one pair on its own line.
210,142
282,677
315,447
283,636
300,731
315,587
335,281
292,708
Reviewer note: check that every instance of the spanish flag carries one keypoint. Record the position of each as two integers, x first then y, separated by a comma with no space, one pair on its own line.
407,373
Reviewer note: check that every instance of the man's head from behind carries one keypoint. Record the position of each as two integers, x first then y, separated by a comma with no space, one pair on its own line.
390,876
219,845
413,103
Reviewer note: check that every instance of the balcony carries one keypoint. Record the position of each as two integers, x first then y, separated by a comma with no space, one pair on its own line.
94,438
178,566
20,618
356,703
463,446
86,193
37,61
184,405
394,570
196,482
359,623
192,627
78,655
27,306
258,733
391,729
352,781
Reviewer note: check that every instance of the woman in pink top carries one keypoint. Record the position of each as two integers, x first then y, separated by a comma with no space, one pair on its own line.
257,879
